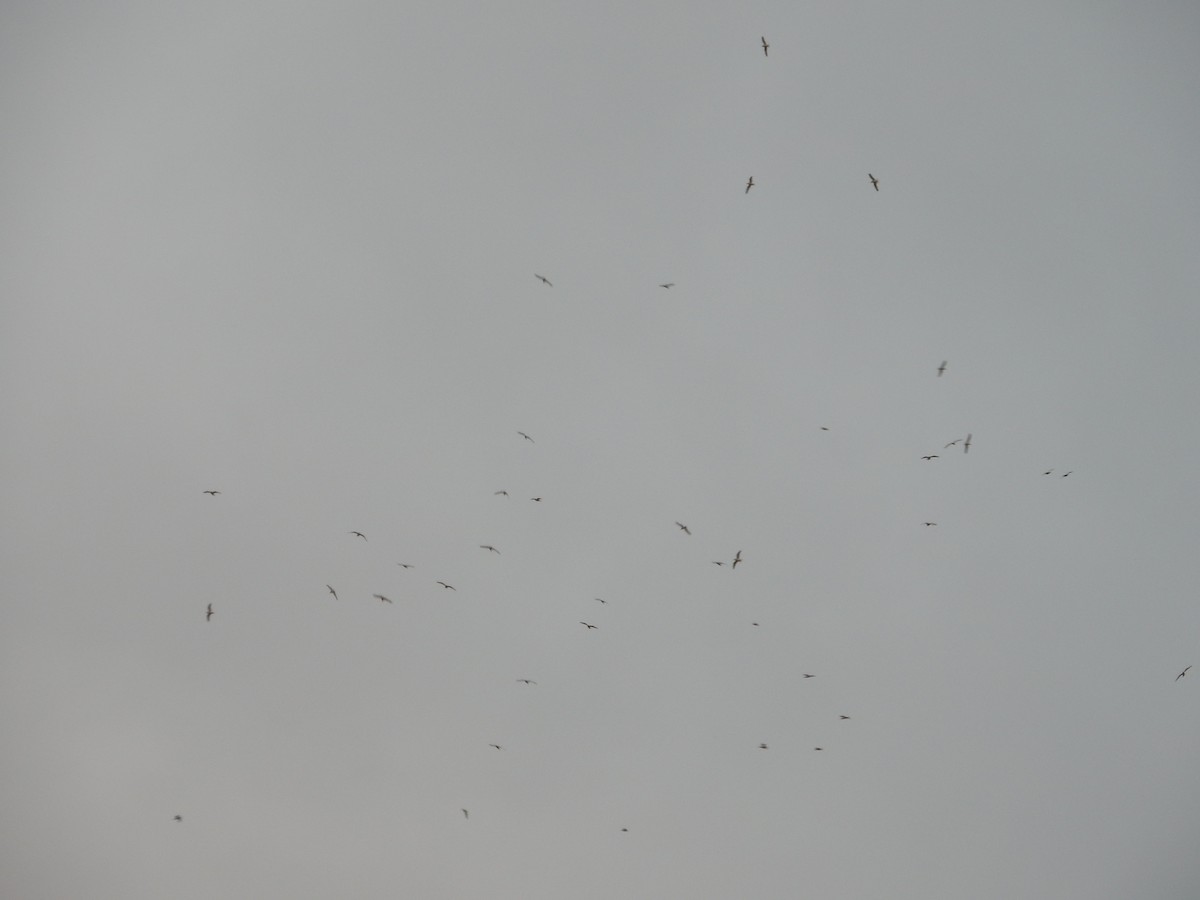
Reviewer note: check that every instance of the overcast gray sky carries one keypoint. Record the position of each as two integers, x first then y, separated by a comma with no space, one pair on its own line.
287,251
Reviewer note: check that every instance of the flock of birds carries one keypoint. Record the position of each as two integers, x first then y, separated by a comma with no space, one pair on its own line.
732,563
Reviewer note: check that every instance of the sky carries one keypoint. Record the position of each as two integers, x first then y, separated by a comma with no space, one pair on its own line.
289,252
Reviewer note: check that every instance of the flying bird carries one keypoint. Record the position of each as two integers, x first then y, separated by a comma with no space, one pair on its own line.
500,493
1065,474
589,626
749,184
931,456
668,286
824,427
213,493
598,600
466,815
448,586
765,46
488,547
952,443
381,598
1181,674
736,559
536,499
358,533
762,746
875,184
332,591
967,443
941,368
931,523
404,565
1048,471
684,528
208,614
843,717
818,748
718,562
497,746
527,437
806,675
543,279
525,681
179,818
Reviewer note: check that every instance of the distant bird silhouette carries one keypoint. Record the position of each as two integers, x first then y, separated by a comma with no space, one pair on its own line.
942,368
543,279
525,681
213,493
718,562
357,533
749,184
765,46
824,427
624,829
500,493
874,182
1048,471
931,456
208,614
762,746
598,600
527,437
466,815
952,443
843,717
497,746
806,675
536,499
1181,674
488,547
332,591
736,559
684,528
381,598
448,586
404,565
179,818
818,748
589,626
931,523
668,286
1065,474
966,443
